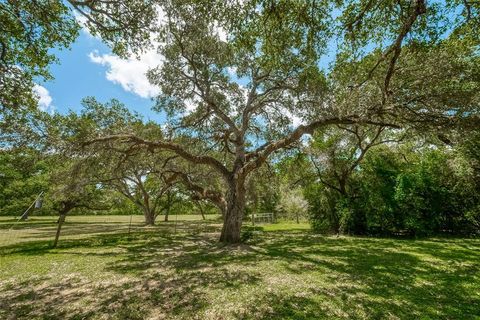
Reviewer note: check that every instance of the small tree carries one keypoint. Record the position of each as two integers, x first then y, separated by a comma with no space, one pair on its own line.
292,204
142,179
72,187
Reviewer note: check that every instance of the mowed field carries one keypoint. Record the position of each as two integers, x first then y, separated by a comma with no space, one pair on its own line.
105,268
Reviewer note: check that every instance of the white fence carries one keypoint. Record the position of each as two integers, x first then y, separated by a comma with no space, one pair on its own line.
266,217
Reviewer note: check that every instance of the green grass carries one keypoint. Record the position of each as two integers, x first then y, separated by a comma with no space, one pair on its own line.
100,271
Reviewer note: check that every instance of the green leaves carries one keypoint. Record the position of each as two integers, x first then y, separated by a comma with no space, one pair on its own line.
29,30
23,175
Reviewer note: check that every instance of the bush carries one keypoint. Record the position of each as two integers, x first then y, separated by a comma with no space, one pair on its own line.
434,192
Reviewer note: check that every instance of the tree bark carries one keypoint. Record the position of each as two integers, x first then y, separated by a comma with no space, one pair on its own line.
201,210
149,217
167,213
61,220
232,222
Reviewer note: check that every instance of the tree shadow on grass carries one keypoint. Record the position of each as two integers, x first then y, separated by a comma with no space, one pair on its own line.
157,295
386,278
163,275
370,278
139,288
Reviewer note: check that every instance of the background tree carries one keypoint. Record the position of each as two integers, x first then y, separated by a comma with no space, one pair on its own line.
336,154
292,204
153,181
142,179
73,186
23,175
414,189
172,196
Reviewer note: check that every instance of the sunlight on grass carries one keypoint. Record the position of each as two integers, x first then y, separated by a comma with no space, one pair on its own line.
286,226
44,227
154,273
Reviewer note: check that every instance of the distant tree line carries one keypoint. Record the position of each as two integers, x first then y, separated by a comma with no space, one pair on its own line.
418,186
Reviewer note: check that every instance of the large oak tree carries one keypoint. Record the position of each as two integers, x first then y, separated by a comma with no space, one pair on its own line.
242,80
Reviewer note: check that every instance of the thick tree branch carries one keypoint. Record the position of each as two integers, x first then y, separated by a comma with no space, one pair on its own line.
418,9
260,155
176,148
201,193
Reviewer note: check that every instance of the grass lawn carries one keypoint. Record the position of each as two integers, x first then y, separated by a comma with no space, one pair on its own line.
100,271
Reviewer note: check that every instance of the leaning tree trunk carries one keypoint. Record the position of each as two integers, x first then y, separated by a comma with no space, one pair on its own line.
201,210
232,221
61,220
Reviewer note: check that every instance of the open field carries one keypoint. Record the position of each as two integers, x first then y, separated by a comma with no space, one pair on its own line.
78,227
100,271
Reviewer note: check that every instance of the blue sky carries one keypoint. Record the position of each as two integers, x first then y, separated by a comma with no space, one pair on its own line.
83,71
89,68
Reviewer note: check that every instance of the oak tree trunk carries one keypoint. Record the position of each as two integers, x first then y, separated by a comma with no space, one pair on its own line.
232,222
167,213
149,217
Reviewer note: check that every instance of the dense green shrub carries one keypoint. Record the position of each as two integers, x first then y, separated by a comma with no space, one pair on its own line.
323,216
424,192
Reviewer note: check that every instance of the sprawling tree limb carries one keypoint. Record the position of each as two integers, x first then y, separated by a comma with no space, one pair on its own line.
418,9
176,148
201,193
260,155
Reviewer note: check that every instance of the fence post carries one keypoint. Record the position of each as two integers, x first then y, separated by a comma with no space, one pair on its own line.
130,224
176,218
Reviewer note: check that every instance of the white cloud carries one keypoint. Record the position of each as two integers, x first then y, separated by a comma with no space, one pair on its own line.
44,98
130,73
